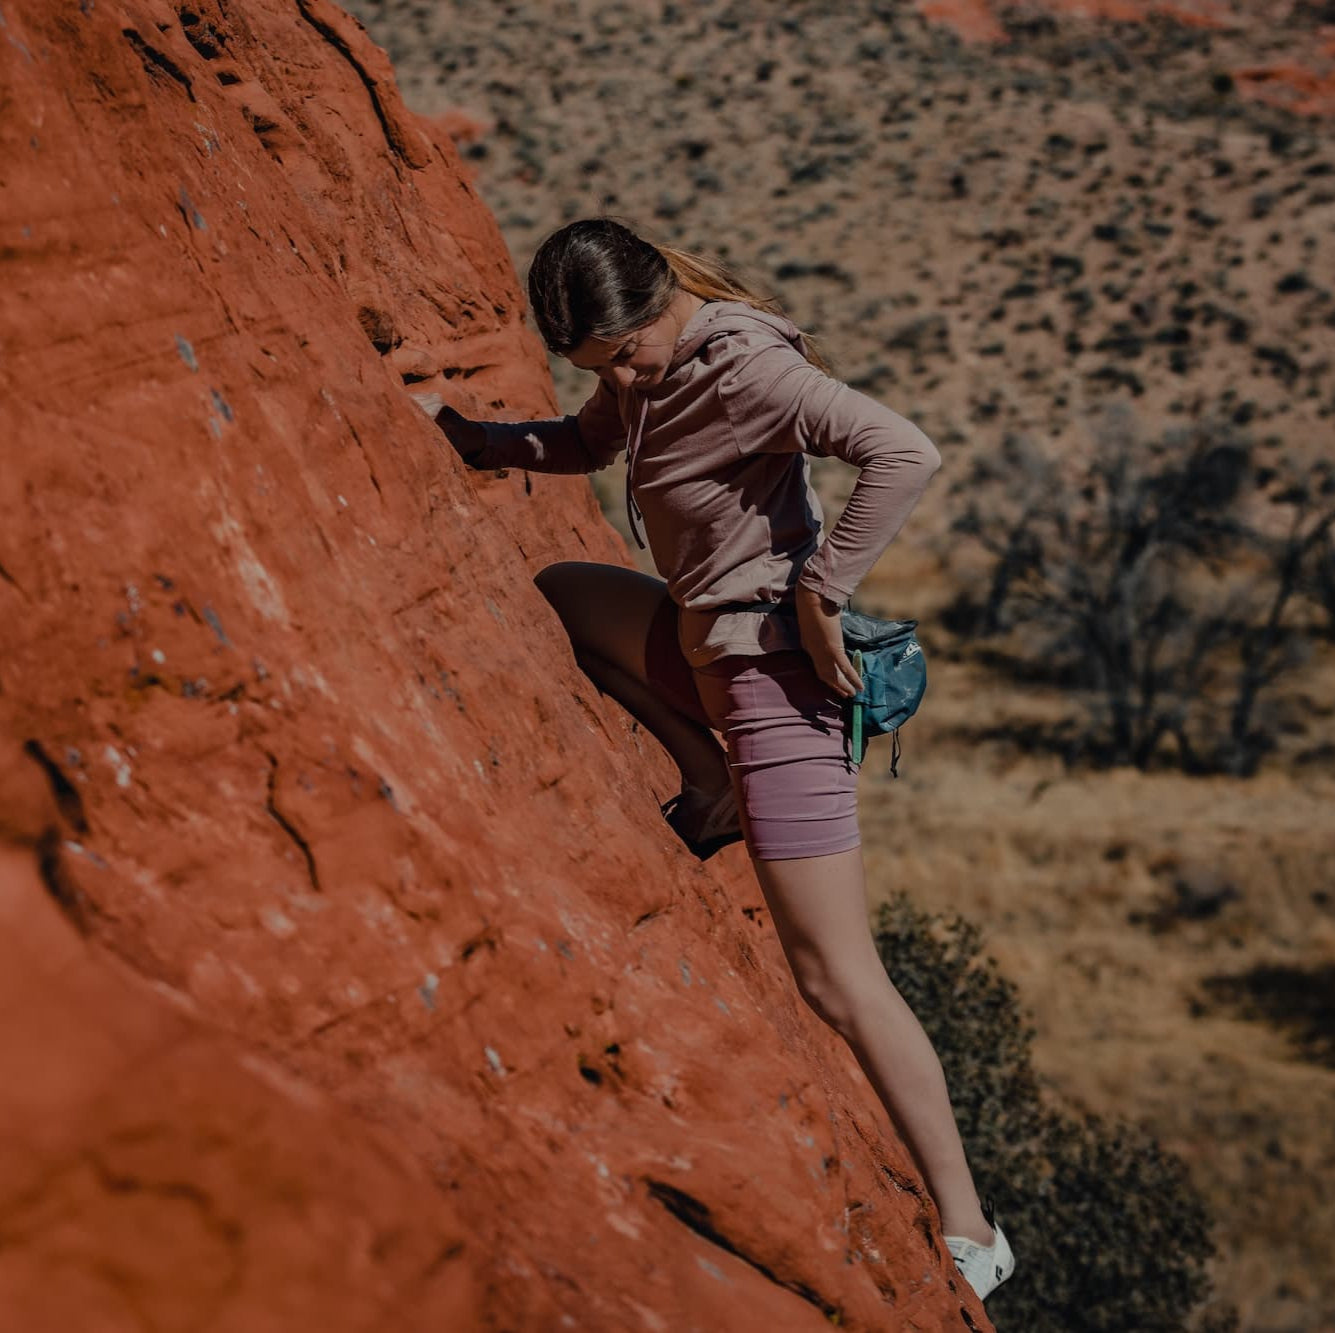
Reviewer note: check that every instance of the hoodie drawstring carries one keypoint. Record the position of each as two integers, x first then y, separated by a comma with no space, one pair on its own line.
632,510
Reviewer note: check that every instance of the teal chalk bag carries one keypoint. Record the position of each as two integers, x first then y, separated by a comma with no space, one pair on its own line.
889,659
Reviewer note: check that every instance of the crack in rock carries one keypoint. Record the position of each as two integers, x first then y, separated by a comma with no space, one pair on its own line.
331,24
271,805
154,61
7,577
692,1213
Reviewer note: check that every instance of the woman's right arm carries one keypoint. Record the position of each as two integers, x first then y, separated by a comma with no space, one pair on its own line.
585,441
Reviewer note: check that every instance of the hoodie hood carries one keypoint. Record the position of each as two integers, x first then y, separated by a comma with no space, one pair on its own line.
712,320
719,317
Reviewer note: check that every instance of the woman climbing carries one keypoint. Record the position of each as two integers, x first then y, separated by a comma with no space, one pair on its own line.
717,399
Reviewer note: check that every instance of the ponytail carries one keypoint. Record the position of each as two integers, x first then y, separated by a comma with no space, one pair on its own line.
712,280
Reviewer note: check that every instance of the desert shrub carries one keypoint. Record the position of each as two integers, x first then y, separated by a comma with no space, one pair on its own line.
1108,1231
1171,582
1298,1001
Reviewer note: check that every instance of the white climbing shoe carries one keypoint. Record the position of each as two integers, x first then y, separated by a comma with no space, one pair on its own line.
984,1267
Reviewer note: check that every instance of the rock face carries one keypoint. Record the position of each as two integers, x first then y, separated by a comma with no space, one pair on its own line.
356,974
155,1174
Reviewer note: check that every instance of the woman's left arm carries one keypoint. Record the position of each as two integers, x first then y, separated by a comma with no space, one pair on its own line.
787,404
895,461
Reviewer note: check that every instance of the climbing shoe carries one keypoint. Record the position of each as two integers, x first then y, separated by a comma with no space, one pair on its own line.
984,1267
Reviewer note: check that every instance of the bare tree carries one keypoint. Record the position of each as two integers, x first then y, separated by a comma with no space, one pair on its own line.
1321,579
1159,579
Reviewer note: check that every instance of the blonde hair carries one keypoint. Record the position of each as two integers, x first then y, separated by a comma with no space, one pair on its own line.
709,278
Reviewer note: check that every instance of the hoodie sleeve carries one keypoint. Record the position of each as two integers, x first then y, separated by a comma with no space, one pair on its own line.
778,402
582,442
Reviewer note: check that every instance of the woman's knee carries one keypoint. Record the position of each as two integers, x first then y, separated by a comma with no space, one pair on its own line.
555,579
570,586
822,992
839,999
606,609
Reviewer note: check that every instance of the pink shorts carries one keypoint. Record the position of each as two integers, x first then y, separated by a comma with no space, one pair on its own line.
785,732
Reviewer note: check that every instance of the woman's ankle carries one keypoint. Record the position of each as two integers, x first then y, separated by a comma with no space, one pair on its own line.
972,1226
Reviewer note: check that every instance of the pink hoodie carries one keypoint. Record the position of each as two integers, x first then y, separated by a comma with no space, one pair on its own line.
717,469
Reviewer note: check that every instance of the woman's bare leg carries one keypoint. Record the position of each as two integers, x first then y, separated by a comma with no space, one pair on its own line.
818,903
607,611
819,907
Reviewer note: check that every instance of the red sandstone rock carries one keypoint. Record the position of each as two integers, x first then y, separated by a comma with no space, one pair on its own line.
976,20
1304,85
154,1175
330,780
1306,90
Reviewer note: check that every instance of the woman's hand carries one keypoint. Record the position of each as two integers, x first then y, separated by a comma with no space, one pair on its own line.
823,639
466,436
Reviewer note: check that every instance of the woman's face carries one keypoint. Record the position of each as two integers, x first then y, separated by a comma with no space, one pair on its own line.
638,359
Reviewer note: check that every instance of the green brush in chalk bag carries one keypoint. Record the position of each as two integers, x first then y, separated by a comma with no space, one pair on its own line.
889,659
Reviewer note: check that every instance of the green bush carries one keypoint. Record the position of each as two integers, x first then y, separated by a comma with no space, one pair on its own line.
1109,1234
